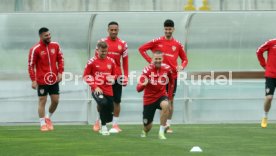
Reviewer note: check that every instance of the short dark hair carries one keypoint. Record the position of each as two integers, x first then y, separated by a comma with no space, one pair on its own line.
158,52
112,23
42,30
169,23
102,45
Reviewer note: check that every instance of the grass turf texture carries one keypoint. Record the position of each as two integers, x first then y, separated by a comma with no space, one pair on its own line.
219,139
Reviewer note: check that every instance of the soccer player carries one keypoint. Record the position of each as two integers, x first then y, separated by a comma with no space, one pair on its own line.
99,73
172,49
270,74
117,50
45,67
153,81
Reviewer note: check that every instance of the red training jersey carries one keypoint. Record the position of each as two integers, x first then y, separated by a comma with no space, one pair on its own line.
270,64
117,49
97,73
45,62
172,49
157,78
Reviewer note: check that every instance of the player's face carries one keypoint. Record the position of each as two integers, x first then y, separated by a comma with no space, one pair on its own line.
157,60
102,52
168,31
113,31
46,37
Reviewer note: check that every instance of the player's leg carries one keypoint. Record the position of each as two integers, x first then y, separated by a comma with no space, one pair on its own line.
117,94
97,125
42,96
105,108
171,106
148,114
269,91
164,106
54,95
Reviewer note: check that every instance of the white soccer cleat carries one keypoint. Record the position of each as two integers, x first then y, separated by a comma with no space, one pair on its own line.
113,130
104,131
144,134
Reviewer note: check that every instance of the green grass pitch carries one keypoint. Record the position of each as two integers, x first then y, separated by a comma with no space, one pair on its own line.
79,140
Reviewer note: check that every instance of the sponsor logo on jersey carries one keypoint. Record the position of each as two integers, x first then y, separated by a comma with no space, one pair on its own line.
173,48
42,53
160,45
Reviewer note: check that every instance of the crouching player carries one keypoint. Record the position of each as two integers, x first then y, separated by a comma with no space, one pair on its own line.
153,81
99,73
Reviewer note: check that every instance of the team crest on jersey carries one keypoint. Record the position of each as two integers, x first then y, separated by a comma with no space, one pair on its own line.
173,48
52,51
41,91
119,47
109,66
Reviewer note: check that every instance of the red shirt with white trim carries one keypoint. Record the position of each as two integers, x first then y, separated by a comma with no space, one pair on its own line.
117,49
97,73
270,63
45,62
158,79
172,49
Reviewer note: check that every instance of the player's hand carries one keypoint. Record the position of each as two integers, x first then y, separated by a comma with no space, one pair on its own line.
179,68
125,81
98,91
264,67
34,84
145,82
59,78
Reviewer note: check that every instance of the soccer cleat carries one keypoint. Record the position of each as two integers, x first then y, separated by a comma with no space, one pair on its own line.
104,132
161,136
96,126
44,128
113,130
49,124
116,127
264,123
144,134
168,130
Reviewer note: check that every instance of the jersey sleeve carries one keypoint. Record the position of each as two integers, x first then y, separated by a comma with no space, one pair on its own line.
260,52
87,75
143,78
32,63
60,60
125,60
183,56
143,50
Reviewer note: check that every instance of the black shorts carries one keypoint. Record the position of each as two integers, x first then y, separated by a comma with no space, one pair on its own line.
117,92
175,87
106,109
43,90
149,110
270,84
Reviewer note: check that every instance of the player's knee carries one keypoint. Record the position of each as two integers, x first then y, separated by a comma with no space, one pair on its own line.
165,106
55,102
42,99
269,98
